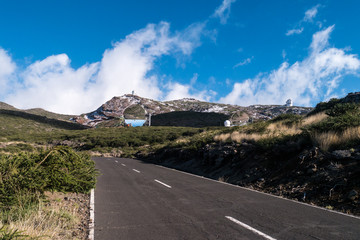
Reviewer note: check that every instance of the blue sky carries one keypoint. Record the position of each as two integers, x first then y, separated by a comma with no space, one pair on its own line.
72,56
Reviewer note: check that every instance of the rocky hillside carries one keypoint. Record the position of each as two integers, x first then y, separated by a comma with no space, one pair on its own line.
313,159
117,106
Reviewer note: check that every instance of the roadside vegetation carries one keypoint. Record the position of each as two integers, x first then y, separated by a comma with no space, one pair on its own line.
26,180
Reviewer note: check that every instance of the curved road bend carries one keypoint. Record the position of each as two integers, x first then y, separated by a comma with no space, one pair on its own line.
140,201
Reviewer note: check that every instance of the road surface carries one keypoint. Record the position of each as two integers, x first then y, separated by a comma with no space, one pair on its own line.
136,200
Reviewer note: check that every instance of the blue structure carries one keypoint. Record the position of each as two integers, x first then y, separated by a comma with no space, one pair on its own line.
135,122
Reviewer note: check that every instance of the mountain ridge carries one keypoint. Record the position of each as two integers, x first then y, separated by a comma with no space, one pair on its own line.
116,107
37,111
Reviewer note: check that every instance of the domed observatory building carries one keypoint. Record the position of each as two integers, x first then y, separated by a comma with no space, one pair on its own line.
289,103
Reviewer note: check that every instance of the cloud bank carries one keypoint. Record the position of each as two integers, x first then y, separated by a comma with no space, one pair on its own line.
54,85
313,78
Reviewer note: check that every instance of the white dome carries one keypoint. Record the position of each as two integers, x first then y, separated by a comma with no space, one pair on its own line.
227,123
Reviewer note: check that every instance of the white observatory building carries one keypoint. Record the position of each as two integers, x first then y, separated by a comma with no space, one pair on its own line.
227,123
289,103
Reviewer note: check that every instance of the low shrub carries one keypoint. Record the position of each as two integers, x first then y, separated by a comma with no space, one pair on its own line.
25,176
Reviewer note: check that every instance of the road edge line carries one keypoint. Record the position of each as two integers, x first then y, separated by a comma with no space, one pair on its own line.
92,215
268,194
254,230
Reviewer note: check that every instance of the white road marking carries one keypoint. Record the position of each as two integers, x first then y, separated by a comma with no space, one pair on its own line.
250,228
136,170
163,183
123,165
116,161
92,215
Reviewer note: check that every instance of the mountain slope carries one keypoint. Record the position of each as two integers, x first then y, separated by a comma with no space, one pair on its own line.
117,106
19,125
37,111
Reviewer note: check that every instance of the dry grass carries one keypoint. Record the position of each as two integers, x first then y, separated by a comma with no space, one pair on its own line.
324,140
182,140
273,130
328,139
314,119
222,137
53,219
278,129
239,137
223,179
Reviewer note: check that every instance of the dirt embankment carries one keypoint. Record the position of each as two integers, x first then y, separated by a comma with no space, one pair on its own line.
306,174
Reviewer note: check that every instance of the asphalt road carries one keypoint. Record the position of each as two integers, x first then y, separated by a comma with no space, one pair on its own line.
136,200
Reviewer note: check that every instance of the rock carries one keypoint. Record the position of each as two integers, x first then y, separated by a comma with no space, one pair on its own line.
339,154
352,195
315,152
312,169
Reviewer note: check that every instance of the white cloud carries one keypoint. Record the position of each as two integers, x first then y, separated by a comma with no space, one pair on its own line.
194,79
244,62
294,31
228,82
306,81
223,11
321,39
7,69
212,80
54,85
179,91
309,16
311,13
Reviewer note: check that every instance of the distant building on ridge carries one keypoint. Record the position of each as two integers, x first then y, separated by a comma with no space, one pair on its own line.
289,103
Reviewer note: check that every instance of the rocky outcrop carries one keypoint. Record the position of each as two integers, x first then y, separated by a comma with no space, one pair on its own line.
351,98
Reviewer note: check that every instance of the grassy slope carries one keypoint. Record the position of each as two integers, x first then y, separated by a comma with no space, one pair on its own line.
6,106
18,125
37,111
42,112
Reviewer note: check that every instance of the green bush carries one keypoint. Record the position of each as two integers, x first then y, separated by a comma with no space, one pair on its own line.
30,174
342,109
336,124
341,117
323,106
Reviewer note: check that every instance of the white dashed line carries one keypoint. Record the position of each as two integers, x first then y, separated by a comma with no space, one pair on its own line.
136,170
250,228
123,165
116,161
163,183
